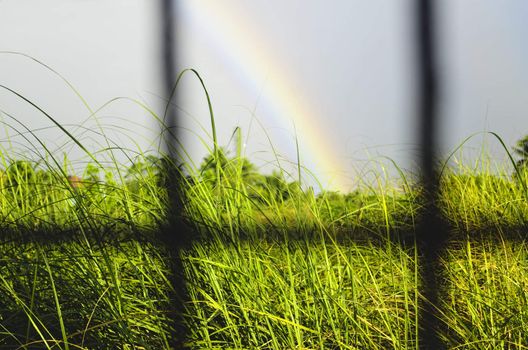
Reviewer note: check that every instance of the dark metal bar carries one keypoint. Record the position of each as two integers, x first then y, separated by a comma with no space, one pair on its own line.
426,89
431,232
168,11
175,235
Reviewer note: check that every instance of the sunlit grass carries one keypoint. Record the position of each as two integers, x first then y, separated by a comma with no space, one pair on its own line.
273,265
301,295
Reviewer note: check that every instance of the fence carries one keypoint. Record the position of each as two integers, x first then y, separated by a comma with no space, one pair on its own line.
431,232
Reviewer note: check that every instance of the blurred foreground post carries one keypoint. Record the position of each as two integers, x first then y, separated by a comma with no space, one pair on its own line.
174,234
432,233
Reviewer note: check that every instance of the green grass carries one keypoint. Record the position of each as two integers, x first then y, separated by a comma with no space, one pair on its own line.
272,265
301,295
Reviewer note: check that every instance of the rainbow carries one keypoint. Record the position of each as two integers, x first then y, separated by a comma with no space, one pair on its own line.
236,38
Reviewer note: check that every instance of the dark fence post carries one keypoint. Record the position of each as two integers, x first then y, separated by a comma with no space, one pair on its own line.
175,236
432,233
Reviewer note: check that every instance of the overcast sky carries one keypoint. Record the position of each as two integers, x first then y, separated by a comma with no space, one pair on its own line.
338,78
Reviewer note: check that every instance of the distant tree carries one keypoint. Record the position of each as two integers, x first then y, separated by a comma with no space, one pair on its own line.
232,169
43,176
91,173
238,172
20,171
142,167
279,188
521,149
144,170
210,163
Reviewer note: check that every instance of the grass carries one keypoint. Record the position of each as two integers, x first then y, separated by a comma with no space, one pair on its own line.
303,295
271,266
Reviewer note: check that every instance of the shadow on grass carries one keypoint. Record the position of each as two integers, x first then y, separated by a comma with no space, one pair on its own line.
118,285
101,290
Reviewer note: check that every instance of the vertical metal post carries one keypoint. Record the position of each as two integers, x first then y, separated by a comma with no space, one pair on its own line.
168,12
431,232
175,235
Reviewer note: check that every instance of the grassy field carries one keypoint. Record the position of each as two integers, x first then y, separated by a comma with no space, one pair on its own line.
271,265
84,267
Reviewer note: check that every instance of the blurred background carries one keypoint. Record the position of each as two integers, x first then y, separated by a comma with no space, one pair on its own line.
336,80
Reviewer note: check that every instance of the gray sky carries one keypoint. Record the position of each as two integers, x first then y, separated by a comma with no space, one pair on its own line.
338,77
